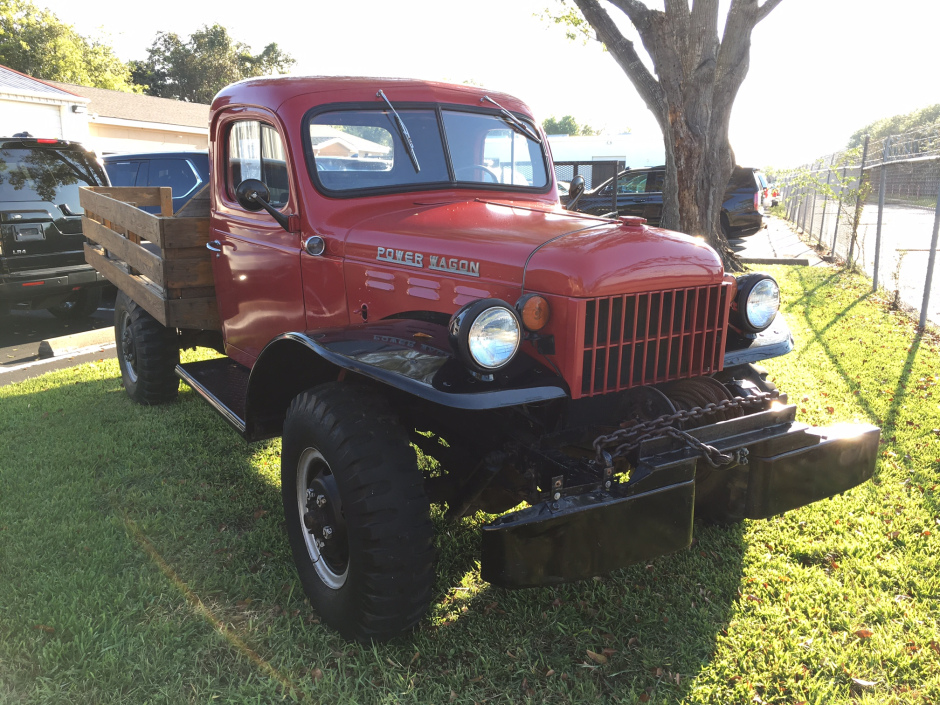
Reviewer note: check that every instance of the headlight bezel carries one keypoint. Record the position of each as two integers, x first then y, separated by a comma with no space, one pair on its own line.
741,311
462,324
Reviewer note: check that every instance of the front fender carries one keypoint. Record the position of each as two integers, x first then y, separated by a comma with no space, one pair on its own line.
412,356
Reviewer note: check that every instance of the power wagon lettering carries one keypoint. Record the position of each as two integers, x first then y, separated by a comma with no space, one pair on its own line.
412,259
455,266
441,264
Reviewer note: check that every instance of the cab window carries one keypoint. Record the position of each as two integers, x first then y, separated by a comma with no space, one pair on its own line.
255,151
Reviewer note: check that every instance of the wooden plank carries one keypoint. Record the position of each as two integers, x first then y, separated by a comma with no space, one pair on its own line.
146,296
198,314
147,263
138,195
166,201
122,215
187,272
187,253
193,292
197,206
184,232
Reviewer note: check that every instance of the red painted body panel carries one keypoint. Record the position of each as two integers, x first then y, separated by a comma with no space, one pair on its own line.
384,252
257,274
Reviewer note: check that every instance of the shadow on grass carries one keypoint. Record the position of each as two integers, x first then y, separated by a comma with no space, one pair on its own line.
890,417
820,339
122,523
649,623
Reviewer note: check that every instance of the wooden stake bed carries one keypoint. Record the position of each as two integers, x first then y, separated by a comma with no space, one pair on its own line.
161,262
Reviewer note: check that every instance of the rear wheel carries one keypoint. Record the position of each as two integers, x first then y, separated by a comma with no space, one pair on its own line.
79,304
147,353
358,519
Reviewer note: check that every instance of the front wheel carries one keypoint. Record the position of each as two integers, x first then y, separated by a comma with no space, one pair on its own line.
358,519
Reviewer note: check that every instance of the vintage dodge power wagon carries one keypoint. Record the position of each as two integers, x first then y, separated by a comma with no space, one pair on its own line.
384,265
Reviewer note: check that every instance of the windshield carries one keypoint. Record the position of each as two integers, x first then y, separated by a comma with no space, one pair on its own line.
53,175
353,151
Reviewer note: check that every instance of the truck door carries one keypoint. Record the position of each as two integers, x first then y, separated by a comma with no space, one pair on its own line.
256,263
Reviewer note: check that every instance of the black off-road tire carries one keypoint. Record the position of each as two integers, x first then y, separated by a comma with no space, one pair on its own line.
147,353
80,304
371,579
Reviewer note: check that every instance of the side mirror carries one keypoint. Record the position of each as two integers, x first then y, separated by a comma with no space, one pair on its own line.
253,195
575,191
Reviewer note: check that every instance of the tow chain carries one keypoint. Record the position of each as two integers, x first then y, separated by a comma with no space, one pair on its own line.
629,439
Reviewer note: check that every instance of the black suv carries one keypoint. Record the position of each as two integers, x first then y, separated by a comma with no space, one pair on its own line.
42,260
640,193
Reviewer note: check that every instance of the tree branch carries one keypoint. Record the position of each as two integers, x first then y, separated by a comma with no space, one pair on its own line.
624,52
634,9
677,8
766,9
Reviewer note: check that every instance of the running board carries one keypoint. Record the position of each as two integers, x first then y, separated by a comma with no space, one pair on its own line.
223,383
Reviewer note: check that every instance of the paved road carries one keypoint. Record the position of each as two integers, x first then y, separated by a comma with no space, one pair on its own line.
21,332
905,247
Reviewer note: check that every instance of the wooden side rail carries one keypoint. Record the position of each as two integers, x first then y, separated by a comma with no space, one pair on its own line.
161,262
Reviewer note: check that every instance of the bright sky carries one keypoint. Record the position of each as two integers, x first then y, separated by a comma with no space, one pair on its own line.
820,69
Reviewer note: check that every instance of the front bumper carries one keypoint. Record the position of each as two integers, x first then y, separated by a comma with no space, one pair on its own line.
789,465
33,284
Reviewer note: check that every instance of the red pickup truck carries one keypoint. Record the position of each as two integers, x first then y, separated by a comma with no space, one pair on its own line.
384,265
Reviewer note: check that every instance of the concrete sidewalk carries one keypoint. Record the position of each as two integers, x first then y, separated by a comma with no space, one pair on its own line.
776,243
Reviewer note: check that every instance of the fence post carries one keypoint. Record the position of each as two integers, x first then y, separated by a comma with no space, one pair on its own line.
835,235
789,199
881,208
822,222
803,199
812,212
858,202
930,262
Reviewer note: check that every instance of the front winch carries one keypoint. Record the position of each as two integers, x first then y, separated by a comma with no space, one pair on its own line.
627,439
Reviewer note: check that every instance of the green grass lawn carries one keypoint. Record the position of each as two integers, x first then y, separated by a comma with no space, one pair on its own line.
143,560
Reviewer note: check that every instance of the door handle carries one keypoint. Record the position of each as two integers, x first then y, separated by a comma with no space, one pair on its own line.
214,245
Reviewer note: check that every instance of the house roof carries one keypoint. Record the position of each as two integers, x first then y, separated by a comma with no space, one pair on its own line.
322,135
144,108
19,83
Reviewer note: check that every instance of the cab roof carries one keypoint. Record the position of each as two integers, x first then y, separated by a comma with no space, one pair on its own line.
272,91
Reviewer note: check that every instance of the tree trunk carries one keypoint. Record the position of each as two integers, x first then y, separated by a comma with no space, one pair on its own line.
691,97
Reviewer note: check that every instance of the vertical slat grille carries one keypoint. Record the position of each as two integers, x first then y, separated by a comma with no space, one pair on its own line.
636,339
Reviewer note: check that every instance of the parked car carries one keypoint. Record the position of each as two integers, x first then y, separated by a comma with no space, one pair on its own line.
185,172
640,193
42,259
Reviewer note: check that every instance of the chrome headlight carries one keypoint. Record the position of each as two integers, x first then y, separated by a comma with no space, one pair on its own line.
756,303
486,334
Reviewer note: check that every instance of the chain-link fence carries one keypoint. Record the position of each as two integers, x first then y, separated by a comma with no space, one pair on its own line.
876,206
594,172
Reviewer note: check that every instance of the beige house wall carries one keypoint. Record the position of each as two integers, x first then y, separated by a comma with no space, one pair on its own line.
111,139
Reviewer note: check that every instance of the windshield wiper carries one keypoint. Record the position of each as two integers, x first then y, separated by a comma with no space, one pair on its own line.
403,131
514,121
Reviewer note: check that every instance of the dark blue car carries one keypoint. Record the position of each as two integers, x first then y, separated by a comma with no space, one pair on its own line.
639,192
185,172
